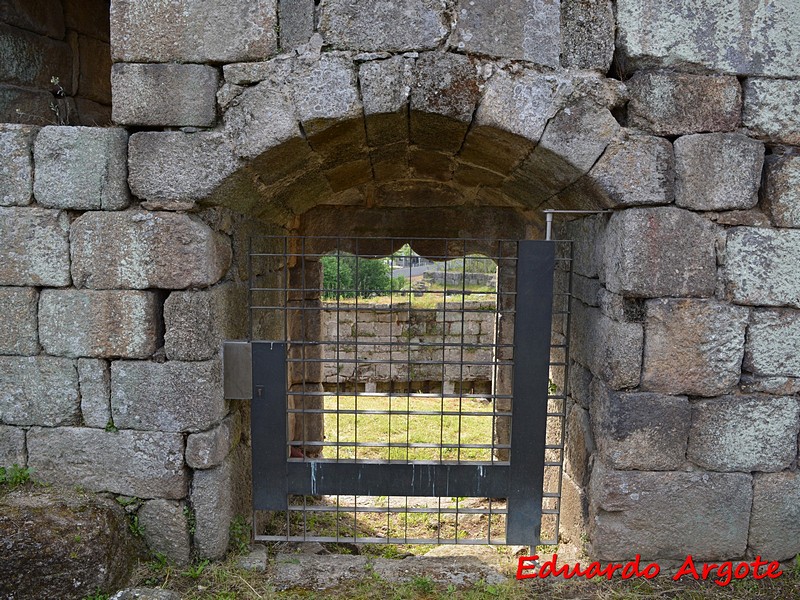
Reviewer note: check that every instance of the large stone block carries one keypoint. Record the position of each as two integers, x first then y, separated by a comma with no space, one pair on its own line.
16,167
660,251
676,103
693,347
717,171
18,329
587,34
579,445
740,39
99,323
35,247
33,60
39,16
166,529
635,170
82,168
145,464
782,190
772,110
12,446
94,69
95,386
198,322
26,105
527,30
164,95
296,19
772,343
385,88
170,396
88,18
383,26
668,515
140,249
213,502
641,431
761,266
39,390
753,433
209,448
214,31
775,520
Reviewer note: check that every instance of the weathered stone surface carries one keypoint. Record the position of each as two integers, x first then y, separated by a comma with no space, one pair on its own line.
94,69
522,29
587,236
772,343
141,593
693,347
166,529
761,266
16,168
640,431
209,448
296,18
32,60
38,16
775,521
635,170
777,386
213,504
219,31
717,171
62,544
18,330
384,26
107,323
740,39
25,105
170,396
611,349
88,18
95,387
35,247
145,464
198,322
579,446
385,88
772,110
755,433
580,381
140,249
92,114
660,251
12,446
39,390
81,168
587,34
668,514
164,95
782,190
676,104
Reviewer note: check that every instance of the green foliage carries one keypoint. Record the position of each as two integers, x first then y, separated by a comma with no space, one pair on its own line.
240,535
110,427
195,571
136,528
191,519
348,276
98,595
423,585
14,475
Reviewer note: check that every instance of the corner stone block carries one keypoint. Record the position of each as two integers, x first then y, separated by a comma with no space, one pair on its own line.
665,103
131,463
95,323
39,390
528,30
12,446
693,347
579,445
587,34
16,166
216,31
754,433
166,529
640,431
170,396
95,386
82,168
668,514
383,26
772,110
35,248
660,251
163,95
209,448
212,498
140,250
782,190
761,266
775,521
717,171
772,343
18,329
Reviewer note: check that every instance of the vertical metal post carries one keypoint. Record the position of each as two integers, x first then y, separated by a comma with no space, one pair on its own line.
532,326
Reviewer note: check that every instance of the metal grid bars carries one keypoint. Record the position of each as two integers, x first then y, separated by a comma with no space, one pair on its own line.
387,397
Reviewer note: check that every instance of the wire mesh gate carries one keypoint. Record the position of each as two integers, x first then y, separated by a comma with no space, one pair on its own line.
405,398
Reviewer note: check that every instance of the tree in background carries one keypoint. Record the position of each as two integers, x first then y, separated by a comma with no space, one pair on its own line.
348,276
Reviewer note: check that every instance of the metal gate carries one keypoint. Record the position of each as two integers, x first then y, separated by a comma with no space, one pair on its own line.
316,381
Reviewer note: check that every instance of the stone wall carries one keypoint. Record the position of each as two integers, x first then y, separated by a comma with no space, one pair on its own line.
124,251
65,39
